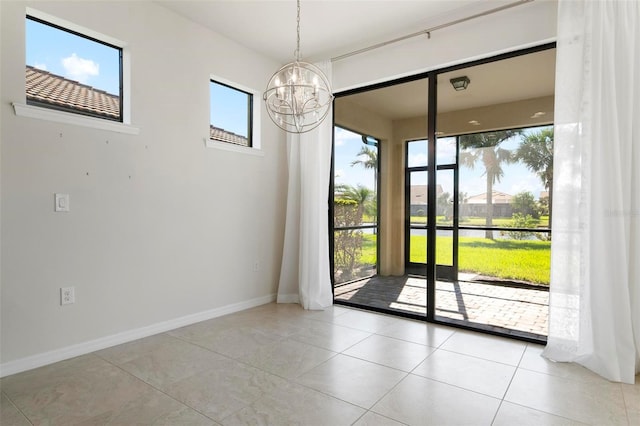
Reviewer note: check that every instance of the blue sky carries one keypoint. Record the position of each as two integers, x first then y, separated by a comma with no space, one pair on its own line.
229,109
347,146
73,57
517,177
97,65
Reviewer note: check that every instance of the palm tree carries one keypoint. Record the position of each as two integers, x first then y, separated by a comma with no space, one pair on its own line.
485,147
368,158
536,152
360,194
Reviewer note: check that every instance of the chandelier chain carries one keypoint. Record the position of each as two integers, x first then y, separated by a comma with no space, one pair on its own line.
298,96
298,34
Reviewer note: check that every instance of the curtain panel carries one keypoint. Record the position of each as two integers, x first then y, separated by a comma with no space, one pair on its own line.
594,308
305,275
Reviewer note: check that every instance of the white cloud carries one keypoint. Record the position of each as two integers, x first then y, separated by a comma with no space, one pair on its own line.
417,159
343,135
339,173
42,67
79,68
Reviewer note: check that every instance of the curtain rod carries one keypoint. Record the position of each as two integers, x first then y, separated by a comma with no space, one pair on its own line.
428,31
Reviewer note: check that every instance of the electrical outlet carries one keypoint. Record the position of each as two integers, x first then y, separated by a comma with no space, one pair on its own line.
67,295
256,266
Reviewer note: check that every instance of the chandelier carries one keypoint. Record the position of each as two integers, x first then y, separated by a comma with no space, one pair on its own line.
298,96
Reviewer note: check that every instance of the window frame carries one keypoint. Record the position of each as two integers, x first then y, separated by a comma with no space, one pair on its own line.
95,40
253,119
48,113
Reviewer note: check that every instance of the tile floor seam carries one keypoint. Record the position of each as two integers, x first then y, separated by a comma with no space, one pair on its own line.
327,349
496,413
160,390
381,415
447,339
386,394
382,365
182,339
546,412
361,416
475,357
291,379
506,389
404,340
331,396
598,380
456,386
13,404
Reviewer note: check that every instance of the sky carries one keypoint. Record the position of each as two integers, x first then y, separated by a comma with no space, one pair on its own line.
347,146
517,177
95,64
229,109
73,57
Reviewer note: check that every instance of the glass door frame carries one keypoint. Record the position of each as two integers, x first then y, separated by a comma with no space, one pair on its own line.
366,140
432,169
443,272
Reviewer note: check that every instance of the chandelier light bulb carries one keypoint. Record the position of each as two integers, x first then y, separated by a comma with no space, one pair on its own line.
298,96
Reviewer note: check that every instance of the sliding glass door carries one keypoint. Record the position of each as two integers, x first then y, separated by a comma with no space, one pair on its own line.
461,228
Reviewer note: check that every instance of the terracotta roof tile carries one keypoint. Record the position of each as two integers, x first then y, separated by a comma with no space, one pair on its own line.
222,135
43,87
50,89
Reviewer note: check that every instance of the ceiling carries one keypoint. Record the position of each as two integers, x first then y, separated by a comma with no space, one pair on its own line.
328,28
519,78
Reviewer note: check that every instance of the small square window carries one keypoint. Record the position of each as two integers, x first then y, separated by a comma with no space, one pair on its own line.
72,72
231,115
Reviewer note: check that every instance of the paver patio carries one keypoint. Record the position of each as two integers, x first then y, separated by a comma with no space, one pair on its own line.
510,309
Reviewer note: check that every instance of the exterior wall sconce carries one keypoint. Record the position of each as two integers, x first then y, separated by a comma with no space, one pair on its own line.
460,83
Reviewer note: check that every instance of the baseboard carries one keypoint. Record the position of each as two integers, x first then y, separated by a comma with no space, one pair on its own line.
288,298
45,358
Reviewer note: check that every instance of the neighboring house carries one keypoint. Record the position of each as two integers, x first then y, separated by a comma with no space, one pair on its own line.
418,199
476,205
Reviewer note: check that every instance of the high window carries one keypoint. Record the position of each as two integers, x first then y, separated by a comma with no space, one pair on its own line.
231,115
71,70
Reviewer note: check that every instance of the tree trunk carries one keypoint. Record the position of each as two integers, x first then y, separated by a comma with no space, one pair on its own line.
489,222
550,189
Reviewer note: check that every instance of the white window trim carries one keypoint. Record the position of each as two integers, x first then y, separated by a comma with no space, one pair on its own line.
228,146
256,143
30,111
126,74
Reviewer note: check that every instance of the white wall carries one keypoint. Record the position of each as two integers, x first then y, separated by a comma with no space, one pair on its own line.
160,227
522,26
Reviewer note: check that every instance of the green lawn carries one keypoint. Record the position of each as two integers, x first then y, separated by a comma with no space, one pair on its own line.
526,260
477,221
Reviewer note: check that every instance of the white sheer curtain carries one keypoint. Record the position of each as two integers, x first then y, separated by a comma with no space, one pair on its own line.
595,266
305,275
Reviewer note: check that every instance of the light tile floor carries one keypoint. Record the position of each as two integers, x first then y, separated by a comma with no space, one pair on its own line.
281,365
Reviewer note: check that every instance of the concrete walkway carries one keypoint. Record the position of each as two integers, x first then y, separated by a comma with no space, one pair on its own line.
517,310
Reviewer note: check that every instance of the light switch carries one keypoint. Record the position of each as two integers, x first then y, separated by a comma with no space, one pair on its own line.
62,202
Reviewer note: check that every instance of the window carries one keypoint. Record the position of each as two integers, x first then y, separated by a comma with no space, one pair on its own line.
231,115
70,70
